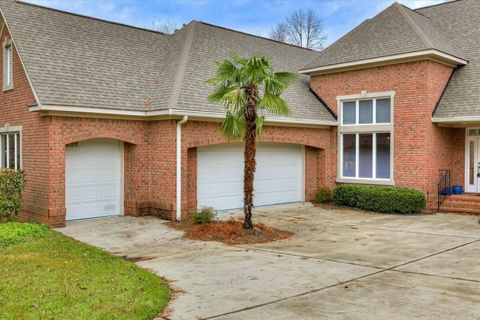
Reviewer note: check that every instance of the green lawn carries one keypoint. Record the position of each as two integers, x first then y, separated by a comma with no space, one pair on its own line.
45,275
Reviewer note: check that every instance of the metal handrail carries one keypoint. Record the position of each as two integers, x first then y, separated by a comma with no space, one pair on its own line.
443,186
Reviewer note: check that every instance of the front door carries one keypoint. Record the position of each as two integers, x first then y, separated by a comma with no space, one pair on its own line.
472,160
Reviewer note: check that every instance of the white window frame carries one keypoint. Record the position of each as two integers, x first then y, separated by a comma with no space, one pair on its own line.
475,139
6,130
7,64
365,128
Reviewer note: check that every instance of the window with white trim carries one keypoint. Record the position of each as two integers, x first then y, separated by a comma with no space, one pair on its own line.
7,64
365,139
10,150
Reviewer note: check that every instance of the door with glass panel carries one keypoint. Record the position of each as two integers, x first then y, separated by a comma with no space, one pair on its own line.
472,158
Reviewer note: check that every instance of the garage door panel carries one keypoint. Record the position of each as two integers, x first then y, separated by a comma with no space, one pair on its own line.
278,178
93,179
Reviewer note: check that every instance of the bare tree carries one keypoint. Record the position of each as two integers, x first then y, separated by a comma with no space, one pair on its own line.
302,28
164,25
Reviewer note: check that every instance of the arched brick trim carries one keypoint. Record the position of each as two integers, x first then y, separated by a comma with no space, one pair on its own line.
98,135
200,134
320,155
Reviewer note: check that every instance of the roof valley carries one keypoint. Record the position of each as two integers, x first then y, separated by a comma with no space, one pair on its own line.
182,67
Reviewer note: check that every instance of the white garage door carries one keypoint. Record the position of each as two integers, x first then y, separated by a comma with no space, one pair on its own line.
93,172
278,178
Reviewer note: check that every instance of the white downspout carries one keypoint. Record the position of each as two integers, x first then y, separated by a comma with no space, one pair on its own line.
179,168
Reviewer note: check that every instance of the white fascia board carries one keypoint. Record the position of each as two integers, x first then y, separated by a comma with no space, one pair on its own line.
169,112
404,56
458,120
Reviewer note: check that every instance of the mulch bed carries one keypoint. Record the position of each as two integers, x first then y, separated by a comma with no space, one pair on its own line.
230,232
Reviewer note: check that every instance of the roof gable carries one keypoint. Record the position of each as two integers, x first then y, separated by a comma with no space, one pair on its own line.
396,30
211,43
459,21
80,63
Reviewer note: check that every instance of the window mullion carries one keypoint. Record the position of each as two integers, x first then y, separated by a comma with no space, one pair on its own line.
374,155
7,158
374,110
15,151
357,112
1,150
357,154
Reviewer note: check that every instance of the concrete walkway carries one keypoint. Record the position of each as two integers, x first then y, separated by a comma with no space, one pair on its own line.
340,264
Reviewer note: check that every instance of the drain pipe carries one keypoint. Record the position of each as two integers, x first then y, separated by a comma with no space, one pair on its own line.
179,168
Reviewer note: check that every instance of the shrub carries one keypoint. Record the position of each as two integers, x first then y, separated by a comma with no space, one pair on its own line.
15,233
12,184
379,199
322,195
205,215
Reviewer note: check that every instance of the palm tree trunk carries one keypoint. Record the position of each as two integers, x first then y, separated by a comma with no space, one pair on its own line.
249,155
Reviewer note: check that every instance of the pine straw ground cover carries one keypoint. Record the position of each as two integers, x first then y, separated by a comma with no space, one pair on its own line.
230,232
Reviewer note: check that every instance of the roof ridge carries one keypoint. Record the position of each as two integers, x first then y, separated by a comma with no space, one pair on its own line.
253,35
23,2
437,4
413,24
337,41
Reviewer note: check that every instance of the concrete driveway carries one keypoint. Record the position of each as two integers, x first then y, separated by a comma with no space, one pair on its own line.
340,264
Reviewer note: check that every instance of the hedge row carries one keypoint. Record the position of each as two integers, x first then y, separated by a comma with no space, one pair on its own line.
12,184
379,199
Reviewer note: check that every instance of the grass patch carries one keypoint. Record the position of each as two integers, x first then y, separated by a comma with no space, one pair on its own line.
229,232
15,233
46,275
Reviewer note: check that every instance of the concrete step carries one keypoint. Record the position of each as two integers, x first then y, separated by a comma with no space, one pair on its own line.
472,211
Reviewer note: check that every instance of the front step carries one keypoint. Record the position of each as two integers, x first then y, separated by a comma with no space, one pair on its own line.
465,203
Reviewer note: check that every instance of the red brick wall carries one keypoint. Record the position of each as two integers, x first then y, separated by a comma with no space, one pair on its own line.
420,147
320,154
13,111
65,130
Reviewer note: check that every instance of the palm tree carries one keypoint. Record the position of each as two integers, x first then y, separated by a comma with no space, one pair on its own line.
249,88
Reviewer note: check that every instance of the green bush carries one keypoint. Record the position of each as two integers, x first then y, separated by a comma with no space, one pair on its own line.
322,195
12,184
14,233
205,215
379,199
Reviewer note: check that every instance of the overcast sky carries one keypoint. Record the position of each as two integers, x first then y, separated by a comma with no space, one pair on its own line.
252,16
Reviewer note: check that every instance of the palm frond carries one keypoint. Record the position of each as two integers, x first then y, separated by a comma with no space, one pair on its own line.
274,104
233,127
227,73
259,124
218,95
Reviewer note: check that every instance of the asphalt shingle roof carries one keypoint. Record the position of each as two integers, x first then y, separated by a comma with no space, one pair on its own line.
74,60
459,21
395,30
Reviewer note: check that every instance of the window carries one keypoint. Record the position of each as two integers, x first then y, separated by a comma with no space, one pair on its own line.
7,65
365,138
10,146
370,111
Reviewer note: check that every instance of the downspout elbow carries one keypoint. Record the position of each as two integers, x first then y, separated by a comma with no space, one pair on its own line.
178,207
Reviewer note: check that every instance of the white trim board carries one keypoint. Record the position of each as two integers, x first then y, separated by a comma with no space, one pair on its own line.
144,115
393,59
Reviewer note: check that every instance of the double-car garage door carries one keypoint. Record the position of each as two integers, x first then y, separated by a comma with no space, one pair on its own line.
278,178
94,177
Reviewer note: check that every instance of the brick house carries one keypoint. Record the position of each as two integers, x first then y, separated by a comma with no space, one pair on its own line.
108,119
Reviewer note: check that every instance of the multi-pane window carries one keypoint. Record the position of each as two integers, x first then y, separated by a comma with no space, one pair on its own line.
10,149
368,112
365,137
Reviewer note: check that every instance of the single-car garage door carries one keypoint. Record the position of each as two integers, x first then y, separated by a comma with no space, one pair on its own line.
93,179
278,178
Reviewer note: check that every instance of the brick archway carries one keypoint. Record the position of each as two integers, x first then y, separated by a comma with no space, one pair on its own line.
320,156
100,135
